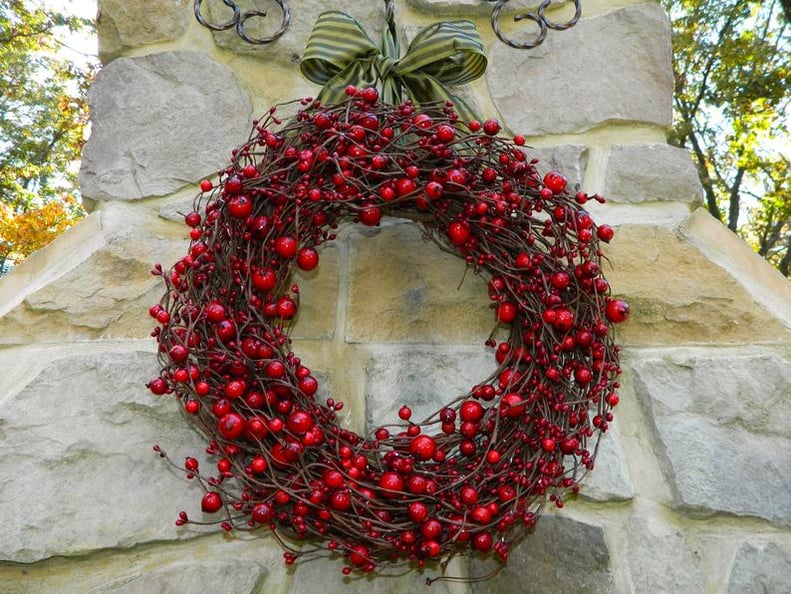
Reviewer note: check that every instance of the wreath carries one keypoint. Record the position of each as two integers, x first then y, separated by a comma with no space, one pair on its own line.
474,475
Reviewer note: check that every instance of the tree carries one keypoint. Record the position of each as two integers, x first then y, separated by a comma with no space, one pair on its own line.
732,63
43,114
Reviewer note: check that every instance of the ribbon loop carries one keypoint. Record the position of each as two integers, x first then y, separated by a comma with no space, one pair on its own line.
339,52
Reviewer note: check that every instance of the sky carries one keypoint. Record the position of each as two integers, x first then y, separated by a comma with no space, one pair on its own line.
75,46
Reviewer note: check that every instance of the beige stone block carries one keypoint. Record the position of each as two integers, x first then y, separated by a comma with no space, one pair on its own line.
678,295
403,289
220,564
124,24
318,297
106,296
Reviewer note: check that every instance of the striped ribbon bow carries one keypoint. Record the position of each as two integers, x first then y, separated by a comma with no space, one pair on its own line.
339,53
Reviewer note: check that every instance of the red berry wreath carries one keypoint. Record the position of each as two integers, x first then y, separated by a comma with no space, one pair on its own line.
476,473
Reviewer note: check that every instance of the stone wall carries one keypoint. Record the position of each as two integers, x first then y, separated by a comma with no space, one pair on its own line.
692,490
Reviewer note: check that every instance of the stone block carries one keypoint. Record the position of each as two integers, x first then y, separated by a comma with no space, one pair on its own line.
404,289
661,558
424,379
610,479
107,295
677,295
219,563
445,8
561,555
77,469
125,24
569,159
759,568
611,68
325,575
720,420
651,172
160,122
318,297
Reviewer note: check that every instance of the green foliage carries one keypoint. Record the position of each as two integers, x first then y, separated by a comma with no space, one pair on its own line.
43,114
732,62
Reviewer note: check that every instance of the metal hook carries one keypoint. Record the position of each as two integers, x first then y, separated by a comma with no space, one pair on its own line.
239,19
538,18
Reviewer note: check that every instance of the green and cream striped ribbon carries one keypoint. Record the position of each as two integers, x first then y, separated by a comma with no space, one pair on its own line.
339,53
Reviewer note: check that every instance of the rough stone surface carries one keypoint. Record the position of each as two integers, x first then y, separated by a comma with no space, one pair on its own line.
404,289
569,159
759,568
325,574
721,422
610,68
76,464
677,295
160,122
452,7
220,576
562,555
288,48
216,563
124,24
424,379
106,296
661,558
609,480
651,172
318,297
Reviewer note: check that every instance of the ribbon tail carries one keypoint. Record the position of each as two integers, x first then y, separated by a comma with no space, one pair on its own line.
424,88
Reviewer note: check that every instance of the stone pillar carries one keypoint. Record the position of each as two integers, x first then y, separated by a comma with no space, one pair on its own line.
691,489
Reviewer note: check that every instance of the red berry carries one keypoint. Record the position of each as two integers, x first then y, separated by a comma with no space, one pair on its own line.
506,312
446,133
459,232
512,405
370,95
605,233
404,413
555,181
491,127
211,502
390,482
471,411
205,185
192,219
158,386
423,447
231,426
522,260
370,216
482,541
233,185
286,246
286,308
240,206
262,513
299,422
215,311
264,279
617,311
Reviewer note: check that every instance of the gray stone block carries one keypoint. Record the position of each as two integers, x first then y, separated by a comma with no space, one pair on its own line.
615,67
654,172
721,422
160,122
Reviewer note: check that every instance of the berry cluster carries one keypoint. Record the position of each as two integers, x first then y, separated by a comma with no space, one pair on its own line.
476,473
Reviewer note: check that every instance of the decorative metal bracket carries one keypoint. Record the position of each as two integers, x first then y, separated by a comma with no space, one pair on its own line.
538,17
240,18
